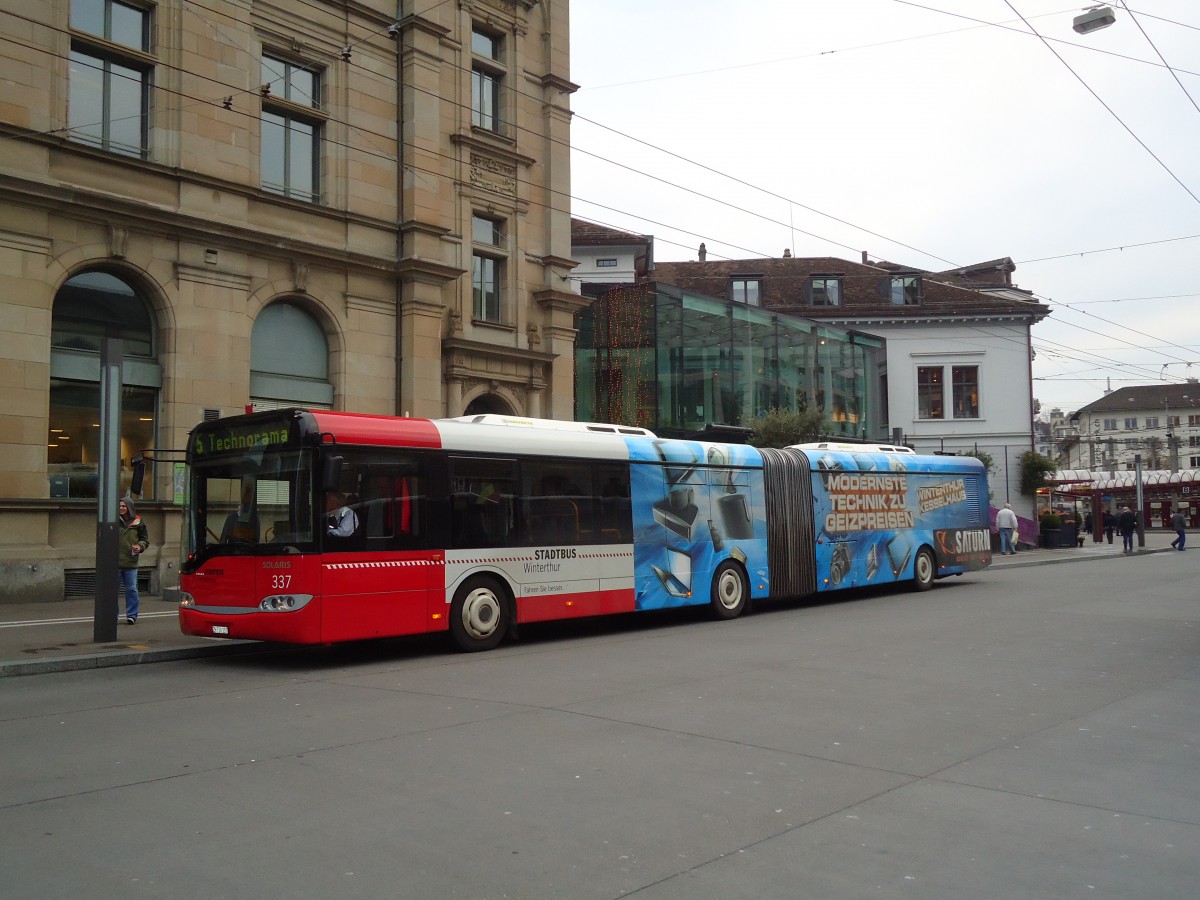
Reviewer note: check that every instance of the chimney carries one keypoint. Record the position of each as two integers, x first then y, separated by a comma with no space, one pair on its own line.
787,253
703,252
866,259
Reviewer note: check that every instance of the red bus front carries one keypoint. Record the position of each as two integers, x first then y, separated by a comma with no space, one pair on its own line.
280,547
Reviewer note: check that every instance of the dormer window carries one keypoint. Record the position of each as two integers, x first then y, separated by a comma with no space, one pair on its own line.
824,290
746,289
906,290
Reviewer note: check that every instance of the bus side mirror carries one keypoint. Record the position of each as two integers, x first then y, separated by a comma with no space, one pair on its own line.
139,475
331,472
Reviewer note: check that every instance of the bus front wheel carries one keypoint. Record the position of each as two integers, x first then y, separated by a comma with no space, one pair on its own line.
479,614
729,591
924,570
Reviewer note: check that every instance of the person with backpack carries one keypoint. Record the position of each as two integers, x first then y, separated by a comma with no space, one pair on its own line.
1127,523
132,541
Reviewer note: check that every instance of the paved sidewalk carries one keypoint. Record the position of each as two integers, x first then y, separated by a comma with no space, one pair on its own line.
1156,542
57,637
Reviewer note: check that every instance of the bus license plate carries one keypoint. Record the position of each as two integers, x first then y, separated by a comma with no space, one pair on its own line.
220,629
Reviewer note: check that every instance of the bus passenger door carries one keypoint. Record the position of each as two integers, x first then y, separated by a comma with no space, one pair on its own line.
379,583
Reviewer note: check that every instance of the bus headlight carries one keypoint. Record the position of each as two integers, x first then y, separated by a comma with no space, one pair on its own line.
186,599
283,602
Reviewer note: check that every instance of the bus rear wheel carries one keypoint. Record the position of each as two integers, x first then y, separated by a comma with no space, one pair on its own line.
729,591
479,614
924,570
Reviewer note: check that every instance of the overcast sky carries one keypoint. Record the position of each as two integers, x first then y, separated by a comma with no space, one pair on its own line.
922,137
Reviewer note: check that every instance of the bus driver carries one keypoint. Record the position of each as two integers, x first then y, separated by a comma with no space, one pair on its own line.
342,521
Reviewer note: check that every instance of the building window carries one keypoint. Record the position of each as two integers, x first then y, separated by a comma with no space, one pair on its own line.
291,133
825,290
906,290
1193,421
1151,421
606,263
487,75
289,359
966,391
108,105
744,290
930,393
1110,424
1131,424
1172,421
487,267
1194,461
1194,441
88,308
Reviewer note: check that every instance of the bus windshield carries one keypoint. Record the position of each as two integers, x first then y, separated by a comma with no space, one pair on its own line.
256,503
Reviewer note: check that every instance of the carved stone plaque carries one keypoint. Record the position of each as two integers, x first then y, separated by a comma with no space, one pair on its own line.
493,175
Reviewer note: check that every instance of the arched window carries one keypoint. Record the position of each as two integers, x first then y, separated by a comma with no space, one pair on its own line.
88,308
289,359
488,403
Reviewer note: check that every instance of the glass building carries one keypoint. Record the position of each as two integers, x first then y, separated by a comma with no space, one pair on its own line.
678,363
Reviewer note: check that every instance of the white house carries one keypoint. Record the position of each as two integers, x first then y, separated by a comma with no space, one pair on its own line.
607,255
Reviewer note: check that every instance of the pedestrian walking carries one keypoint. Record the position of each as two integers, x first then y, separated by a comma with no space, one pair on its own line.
1179,523
1110,522
132,542
1127,523
1006,524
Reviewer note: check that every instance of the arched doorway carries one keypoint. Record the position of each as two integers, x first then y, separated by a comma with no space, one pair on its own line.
90,307
488,403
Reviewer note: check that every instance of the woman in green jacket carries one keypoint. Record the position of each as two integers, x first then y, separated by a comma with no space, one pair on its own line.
132,543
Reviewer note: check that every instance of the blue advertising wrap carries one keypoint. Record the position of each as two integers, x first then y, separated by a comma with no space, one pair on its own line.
695,505
874,510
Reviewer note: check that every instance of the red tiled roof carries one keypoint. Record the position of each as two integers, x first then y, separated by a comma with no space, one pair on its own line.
589,233
865,289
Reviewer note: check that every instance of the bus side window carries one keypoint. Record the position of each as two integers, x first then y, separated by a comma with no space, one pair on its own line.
616,516
482,502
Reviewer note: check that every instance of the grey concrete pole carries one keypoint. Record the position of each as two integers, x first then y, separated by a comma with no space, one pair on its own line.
104,625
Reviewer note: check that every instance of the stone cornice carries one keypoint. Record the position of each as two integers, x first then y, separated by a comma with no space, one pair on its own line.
480,349
428,270
419,23
413,226
555,301
558,83
103,209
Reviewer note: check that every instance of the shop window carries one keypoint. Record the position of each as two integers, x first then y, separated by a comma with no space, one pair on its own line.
89,308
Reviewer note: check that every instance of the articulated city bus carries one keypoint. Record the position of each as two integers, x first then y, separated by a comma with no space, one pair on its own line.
311,526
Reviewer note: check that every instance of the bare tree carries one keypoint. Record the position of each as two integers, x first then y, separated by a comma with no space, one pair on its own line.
1154,450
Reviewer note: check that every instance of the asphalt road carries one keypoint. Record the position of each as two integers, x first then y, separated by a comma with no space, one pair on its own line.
1022,732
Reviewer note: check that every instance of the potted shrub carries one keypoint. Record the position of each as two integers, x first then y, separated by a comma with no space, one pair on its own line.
1050,525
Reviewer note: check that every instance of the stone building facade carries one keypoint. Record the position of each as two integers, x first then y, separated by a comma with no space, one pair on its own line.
359,204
